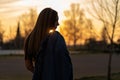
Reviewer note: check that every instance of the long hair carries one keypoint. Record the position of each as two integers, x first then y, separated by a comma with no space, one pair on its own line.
46,20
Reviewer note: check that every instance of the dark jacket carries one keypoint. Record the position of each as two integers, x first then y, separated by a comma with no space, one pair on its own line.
53,61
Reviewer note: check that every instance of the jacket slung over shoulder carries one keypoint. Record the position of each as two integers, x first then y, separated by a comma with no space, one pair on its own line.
56,63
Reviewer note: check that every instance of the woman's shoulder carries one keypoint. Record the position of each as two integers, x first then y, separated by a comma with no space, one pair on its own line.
55,35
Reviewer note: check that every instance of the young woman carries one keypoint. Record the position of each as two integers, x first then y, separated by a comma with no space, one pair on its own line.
47,49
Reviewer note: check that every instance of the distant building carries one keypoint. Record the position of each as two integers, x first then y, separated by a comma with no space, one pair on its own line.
18,41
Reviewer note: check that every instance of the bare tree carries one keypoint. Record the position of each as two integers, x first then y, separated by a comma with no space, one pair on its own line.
75,23
108,12
104,35
28,20
1,34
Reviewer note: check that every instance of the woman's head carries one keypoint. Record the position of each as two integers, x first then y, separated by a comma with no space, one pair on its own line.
47,20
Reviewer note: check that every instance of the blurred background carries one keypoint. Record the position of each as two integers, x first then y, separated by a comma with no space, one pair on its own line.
88,26
83,23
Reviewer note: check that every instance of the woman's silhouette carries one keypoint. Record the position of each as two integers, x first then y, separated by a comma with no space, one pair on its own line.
46,47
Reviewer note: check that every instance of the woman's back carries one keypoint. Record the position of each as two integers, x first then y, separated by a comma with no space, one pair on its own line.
55,63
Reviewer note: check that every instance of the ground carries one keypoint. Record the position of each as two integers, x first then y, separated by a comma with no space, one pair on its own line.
13,68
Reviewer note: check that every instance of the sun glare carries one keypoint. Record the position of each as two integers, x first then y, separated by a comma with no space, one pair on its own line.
51,31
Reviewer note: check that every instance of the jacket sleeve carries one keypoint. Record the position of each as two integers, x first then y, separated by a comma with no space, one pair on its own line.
63,62
57,63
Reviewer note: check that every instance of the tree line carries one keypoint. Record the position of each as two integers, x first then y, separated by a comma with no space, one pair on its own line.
24,26
76,29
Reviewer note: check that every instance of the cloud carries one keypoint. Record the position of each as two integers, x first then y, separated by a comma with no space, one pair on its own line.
7,5
7,1
13,8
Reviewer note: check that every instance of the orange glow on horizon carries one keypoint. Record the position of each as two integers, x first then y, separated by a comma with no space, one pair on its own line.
12,11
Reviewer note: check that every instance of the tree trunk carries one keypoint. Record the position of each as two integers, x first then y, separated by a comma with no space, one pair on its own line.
109,66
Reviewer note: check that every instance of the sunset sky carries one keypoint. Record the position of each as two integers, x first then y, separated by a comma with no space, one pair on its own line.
10,10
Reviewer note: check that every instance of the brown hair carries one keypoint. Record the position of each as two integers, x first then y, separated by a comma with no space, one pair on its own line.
46,20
